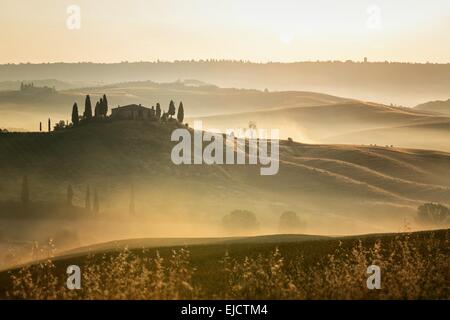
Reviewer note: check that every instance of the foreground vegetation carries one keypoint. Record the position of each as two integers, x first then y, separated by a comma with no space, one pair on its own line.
413,266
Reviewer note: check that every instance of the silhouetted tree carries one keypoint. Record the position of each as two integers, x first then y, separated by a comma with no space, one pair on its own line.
97,109
69,195
105,106
96,204
88,108
289,222
60,125
172,110
49,125
75,116
164,117
40,126
158,111
240,221
87,201
180,114
25,192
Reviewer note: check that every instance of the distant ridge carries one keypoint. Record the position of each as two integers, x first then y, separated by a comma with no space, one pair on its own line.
400,83
436,106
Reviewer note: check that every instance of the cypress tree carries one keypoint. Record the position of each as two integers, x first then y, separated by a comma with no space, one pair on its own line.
75,117
49,125
40,126
158,111
164,117
180,115
88,108
97,109
172,110
100,107
105,106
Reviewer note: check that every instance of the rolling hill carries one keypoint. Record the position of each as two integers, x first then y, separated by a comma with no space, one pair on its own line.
433,135
9,85
331,185
25,110
387,82
435,106
237,268
347,123
136,244
305,116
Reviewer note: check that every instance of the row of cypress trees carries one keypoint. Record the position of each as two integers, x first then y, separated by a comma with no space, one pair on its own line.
172,110
100,111
90,205
91,202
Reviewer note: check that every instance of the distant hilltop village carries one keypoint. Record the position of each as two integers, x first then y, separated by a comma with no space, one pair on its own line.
129,112
30,88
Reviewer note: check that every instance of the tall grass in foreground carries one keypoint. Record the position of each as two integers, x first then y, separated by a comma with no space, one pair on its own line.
411,269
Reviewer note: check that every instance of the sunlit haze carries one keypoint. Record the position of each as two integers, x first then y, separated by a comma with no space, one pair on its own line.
256,30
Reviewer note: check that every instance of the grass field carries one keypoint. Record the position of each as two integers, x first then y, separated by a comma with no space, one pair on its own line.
413,266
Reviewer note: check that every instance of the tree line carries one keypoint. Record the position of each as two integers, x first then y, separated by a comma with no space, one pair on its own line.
91,203
91,199
101,111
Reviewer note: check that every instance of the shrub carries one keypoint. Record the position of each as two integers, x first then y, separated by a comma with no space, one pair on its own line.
290,222
240,221
60,125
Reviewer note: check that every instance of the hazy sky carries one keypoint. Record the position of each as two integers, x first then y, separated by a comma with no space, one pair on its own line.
257,30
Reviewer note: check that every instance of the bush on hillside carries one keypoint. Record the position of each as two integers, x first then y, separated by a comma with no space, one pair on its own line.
240,221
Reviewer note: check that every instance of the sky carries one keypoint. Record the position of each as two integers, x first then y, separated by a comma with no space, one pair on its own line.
255,30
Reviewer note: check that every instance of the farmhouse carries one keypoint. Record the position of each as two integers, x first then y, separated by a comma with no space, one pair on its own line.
132,112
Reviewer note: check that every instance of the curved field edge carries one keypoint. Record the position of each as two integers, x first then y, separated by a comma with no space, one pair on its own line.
414,266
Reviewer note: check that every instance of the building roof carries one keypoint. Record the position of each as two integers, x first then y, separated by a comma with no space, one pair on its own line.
130,106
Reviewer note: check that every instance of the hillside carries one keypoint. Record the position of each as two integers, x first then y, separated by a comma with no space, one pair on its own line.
24,110
434,135
435,106
387,82
358,182
304,116
136,244
350,123
9,85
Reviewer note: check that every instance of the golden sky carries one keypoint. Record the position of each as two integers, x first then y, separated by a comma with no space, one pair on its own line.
257,30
